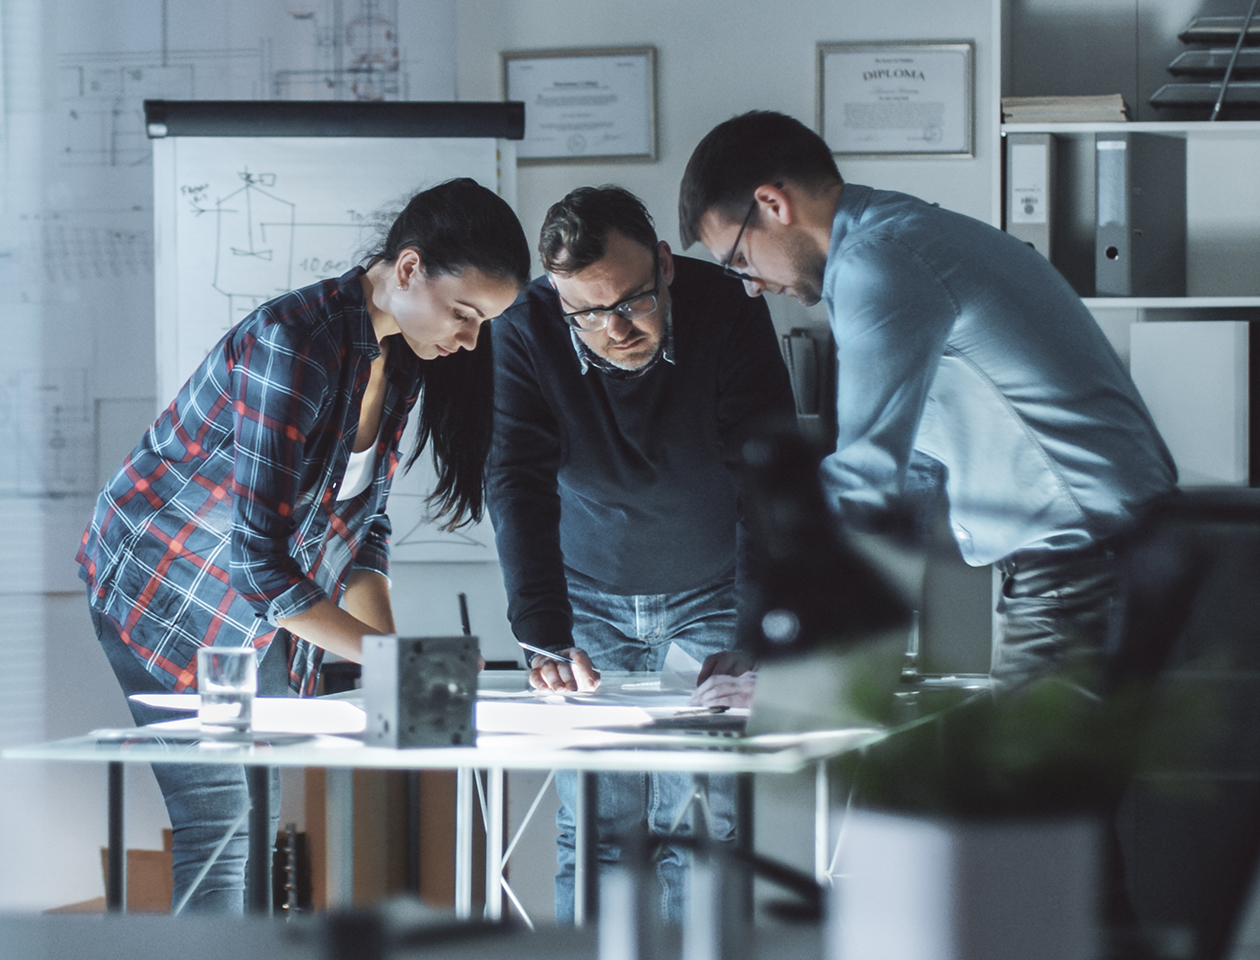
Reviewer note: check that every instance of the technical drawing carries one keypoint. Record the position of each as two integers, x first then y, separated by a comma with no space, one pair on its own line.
352,54
102,116
93,223
46,425
102,96
416,538
356,58
257,236
254,229
77,251
414,533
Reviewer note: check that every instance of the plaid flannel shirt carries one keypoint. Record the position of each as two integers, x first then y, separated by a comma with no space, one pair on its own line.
224,518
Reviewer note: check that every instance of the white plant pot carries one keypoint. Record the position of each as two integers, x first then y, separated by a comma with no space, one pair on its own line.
916,888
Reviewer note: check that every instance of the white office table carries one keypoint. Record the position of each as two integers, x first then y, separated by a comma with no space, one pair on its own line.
586,751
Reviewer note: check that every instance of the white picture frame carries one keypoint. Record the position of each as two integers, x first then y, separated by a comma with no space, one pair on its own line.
897,99
584,104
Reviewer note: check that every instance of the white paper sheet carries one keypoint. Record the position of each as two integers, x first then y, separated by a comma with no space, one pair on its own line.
680,670
556,717
276,714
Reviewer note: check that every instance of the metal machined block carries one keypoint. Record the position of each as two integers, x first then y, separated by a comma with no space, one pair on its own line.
419,691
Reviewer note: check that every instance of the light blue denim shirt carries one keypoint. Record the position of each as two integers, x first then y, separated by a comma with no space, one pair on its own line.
960,343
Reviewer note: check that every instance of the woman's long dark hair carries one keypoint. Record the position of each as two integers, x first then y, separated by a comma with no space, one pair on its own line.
457,225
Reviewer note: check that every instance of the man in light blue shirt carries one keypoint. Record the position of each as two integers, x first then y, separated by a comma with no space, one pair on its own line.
958,346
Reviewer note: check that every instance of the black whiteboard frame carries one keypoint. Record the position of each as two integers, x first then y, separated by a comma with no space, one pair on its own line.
325,118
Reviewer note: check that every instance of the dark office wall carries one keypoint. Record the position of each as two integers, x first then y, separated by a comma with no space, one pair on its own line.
1107,46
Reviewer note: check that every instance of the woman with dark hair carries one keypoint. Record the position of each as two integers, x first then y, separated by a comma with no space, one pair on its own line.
252,512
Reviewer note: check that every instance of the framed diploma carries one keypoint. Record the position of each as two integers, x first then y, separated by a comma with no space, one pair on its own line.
896,99
593,104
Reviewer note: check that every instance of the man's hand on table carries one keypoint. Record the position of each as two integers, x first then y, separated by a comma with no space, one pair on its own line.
729,663
726,679
548,674
726,691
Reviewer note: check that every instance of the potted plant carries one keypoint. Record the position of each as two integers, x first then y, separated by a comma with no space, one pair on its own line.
980,831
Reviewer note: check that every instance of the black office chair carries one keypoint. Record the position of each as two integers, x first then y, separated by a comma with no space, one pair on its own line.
1189,831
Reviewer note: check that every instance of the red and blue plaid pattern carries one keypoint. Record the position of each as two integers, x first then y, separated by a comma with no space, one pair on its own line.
224,518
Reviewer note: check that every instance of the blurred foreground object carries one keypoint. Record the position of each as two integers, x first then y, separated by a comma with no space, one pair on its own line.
829,627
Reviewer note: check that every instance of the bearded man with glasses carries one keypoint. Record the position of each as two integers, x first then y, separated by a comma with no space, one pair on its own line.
963,357
625,382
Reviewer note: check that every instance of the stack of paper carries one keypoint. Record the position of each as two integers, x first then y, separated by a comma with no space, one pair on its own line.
1105,108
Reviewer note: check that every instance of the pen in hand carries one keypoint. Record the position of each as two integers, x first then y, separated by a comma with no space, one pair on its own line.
581,677
464,622
545,653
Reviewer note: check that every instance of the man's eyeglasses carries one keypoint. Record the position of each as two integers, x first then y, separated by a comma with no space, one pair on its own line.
632,308
726,264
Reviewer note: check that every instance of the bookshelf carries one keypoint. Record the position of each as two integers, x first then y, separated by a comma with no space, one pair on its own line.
1222,197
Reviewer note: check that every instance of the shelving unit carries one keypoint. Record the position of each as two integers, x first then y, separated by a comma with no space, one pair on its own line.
1222,211
1171,303
1219,130
1222,200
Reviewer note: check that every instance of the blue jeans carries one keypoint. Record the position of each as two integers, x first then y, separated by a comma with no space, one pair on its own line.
202,800
1054,613
634,633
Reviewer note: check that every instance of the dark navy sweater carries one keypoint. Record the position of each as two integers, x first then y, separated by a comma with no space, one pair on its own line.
626,481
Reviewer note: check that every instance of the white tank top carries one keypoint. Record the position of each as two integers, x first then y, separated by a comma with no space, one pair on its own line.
358,473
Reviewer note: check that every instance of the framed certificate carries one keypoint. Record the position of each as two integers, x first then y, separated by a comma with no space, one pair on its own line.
592,104
897,99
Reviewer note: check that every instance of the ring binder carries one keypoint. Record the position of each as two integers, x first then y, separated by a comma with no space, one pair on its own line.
1140,234
1030,190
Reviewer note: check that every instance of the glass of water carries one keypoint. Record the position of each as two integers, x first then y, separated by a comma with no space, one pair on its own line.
227,679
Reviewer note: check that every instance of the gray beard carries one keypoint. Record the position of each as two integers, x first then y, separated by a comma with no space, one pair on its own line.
665,321
635,367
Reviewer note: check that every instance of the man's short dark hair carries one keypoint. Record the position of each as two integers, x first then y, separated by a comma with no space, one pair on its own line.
741,154
575,231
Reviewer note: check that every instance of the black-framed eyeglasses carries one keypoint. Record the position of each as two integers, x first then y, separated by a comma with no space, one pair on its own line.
636,307
726,264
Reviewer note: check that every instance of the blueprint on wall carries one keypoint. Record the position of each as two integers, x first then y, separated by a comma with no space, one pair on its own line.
76,248
46,431
83,269
243,219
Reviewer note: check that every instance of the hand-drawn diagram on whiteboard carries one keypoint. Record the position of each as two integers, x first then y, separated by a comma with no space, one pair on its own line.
254,247
240,220
415,539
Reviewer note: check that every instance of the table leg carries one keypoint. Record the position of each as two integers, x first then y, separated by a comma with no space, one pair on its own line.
700,817
463,842
494,844
412,833
822,826
586,849
261,843
745,836
116,900
339,824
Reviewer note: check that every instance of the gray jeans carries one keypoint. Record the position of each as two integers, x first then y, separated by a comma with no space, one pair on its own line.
1054,613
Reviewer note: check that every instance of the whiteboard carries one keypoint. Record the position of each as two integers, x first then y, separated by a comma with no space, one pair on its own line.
240,220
